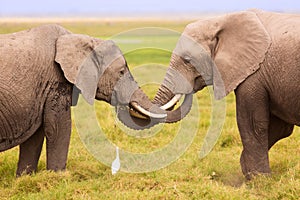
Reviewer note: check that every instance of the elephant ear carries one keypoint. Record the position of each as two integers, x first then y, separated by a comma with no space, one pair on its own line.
83,60
242,43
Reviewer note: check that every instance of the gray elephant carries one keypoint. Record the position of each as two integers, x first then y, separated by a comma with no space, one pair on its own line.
255,54
39,69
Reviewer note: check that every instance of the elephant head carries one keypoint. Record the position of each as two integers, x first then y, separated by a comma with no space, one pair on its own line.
221,51
99,71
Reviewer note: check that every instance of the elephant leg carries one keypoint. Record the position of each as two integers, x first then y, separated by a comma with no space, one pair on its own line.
278,129
30,152
253,123
57,124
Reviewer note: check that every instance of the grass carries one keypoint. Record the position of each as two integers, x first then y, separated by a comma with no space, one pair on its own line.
217,176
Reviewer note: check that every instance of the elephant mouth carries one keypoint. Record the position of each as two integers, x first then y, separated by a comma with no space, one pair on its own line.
136,113
140,113
135,110
135,118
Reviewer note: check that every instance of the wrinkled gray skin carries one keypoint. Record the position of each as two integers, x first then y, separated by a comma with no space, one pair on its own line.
255,54
39,68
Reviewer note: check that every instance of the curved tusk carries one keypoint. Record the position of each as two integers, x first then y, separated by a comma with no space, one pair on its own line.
147,113
172,102
136,114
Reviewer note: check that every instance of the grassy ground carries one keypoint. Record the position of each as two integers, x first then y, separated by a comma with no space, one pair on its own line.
217,176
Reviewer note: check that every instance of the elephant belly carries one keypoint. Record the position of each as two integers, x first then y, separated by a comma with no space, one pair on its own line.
17,123
287,107
281,79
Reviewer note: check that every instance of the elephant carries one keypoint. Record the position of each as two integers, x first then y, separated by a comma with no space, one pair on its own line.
254,53
43,70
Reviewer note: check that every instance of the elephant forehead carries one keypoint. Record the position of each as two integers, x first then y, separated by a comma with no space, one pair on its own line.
188,46
108,52
199,58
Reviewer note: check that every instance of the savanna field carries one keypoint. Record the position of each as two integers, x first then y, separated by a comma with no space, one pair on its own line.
217,176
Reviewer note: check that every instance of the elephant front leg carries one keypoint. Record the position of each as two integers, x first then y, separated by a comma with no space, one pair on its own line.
30,152
253,123
57,122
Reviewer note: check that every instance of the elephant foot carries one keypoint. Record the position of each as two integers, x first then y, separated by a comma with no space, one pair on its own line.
252,167
25,170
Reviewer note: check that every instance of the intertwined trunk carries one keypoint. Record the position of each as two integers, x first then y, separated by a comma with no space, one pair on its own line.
163,96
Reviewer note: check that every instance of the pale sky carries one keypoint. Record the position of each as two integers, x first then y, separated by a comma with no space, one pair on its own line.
136,7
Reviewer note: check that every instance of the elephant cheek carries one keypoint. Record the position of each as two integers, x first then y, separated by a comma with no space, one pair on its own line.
200,83
123,90
104,92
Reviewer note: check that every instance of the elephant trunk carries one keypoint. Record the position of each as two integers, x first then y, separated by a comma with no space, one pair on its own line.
167,97
141,103
167,100
181,111
141,113
163,96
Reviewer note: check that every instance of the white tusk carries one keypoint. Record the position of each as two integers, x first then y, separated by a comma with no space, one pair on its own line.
147,113
171,102
136,114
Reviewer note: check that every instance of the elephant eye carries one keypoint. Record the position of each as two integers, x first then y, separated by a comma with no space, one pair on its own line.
187,59
122,72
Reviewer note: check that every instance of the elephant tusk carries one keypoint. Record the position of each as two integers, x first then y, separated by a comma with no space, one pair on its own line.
147,113
172,102
136,114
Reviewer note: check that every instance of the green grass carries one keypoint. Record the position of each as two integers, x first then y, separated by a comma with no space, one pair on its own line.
217,176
